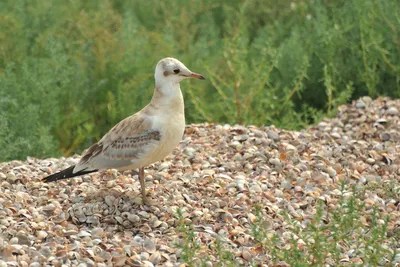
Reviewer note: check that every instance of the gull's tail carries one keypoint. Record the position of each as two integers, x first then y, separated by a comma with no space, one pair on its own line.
65,174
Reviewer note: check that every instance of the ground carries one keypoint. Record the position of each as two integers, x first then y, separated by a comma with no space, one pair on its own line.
228,196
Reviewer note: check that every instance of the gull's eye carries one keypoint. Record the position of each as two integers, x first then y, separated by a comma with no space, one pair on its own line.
176,71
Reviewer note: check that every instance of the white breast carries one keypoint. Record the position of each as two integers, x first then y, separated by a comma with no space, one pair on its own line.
172,129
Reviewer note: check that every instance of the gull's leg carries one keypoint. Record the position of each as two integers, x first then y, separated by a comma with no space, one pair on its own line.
143,189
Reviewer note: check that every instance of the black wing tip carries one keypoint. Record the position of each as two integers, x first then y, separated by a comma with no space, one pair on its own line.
64,174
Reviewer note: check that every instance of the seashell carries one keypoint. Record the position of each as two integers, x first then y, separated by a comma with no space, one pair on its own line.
132,261
93,220
275,161
109,200
216,176
155,258
370,161
144,256
392,110
133,218
144,214
119,260
273,135
148,264
149,246
41,234
156,224
246,254
385,136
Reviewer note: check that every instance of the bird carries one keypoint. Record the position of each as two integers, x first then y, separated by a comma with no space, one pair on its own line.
145,137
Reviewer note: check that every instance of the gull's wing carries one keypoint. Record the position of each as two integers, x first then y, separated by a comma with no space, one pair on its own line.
126,144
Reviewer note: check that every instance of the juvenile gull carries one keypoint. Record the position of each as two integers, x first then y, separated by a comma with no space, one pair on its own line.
145,137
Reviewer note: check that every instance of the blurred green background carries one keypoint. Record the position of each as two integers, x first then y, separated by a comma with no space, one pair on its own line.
70,70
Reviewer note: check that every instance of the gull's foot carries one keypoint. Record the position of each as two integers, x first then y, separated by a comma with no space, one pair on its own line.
148,201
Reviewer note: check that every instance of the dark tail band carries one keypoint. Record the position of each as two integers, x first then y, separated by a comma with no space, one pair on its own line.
65,174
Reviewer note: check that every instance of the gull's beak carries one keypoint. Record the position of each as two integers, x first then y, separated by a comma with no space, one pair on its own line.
196,75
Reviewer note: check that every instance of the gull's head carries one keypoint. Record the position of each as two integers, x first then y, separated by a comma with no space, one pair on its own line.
171,70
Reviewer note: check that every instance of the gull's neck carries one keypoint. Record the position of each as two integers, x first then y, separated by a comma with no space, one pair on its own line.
168,96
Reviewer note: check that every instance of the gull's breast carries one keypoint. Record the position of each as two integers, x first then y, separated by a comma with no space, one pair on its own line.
171,129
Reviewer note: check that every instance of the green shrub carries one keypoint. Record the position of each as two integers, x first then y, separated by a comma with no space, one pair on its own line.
332,232
69,70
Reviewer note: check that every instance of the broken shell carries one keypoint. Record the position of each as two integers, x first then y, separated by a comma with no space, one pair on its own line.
149,246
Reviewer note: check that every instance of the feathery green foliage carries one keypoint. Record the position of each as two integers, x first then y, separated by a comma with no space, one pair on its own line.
69,70
351,228
331,233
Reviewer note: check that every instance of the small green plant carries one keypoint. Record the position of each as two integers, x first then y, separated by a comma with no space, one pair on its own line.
224,256
331,234
192,253
190,248
390,189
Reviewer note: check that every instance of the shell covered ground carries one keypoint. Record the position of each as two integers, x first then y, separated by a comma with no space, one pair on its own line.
228,195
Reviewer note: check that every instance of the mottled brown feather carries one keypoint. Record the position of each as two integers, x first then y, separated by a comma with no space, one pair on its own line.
128,136
92,151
